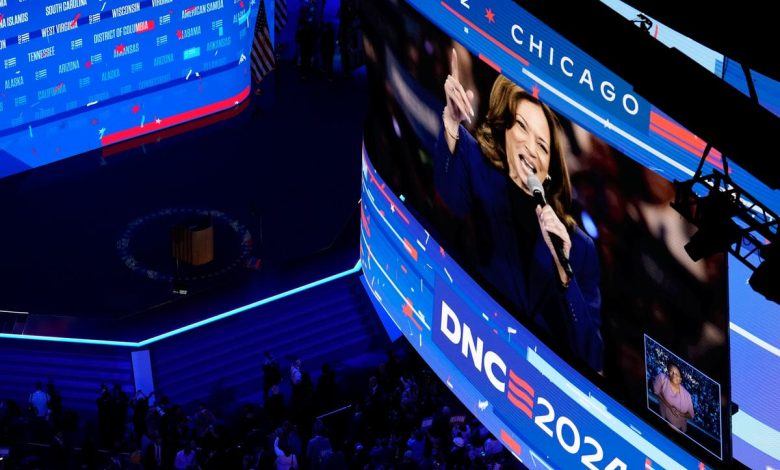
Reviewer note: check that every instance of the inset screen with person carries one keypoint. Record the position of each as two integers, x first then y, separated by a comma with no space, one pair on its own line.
685,397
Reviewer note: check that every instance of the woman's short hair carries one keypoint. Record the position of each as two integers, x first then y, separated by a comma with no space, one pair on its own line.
491,135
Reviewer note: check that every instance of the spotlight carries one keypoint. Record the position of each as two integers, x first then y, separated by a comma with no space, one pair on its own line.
715,237
765,278
717,231
730,219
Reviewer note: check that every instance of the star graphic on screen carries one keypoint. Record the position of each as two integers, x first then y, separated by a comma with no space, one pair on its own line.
135,108
158,120
491,17
120,48
88,64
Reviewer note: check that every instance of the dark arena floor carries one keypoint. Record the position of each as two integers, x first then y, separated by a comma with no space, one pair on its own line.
88,239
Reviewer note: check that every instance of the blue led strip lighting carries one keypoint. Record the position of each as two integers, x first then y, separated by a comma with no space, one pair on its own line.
191,326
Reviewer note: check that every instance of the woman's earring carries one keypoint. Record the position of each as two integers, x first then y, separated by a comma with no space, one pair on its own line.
547,179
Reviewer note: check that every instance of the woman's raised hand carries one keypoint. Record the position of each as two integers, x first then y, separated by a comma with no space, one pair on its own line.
459,106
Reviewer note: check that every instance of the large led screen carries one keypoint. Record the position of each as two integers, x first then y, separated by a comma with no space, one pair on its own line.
455,135
81,74
767,89
754,326
755,371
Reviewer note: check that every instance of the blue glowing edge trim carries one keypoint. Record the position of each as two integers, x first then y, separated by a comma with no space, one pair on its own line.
191,326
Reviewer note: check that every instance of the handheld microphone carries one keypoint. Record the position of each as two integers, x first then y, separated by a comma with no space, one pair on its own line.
537,190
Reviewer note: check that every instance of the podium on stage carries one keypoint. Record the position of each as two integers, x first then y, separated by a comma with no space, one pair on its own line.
193,242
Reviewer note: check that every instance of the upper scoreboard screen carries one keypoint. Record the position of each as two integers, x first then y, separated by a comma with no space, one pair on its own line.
81,74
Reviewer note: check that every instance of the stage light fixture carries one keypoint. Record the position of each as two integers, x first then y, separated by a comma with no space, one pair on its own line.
713,216
765,278
730,219
715,237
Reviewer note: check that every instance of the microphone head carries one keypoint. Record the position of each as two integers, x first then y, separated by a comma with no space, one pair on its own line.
535,185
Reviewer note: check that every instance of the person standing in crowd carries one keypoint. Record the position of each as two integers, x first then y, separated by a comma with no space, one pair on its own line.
203,421
55,405
272,373
186,458
104,407
326,392
306,36
295,372
275,407
317,447
119,404
140,406
328,49
285,458
39,401
347,16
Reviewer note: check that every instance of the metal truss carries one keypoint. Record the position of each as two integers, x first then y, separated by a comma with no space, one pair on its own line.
755,223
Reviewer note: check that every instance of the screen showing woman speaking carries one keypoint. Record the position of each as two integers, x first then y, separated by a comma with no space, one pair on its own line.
575,239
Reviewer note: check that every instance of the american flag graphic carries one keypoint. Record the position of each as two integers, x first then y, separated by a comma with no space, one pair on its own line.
262,60
280,15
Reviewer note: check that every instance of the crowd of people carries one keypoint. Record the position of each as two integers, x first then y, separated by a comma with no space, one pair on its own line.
397,415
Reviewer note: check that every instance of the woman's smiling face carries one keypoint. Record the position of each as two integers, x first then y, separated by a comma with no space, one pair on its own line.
675,376
528,143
